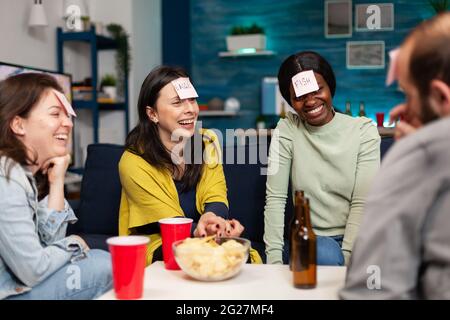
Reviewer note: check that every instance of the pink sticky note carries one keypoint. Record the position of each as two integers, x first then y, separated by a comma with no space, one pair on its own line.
184,88
63,100
393,66
304,83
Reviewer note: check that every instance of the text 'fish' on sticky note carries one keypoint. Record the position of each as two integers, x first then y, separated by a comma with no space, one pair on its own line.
304,83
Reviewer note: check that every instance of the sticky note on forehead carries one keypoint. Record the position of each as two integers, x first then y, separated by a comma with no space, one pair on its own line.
184,88
65,103
304,83
393,66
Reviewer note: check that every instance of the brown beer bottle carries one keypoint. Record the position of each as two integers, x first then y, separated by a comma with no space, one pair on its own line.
303,249
292,225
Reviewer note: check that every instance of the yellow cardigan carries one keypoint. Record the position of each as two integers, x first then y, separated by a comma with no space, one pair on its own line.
149,194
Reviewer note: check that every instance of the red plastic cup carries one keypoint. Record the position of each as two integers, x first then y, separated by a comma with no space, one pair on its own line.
173,229
128,264
380,119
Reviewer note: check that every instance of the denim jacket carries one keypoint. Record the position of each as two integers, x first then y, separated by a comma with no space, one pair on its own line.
32,237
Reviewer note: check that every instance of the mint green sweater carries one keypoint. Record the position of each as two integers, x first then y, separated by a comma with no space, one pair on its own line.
334,164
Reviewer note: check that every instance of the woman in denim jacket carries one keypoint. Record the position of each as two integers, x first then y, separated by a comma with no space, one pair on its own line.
37,260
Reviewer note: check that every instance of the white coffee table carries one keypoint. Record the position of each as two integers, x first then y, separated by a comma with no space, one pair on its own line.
255,282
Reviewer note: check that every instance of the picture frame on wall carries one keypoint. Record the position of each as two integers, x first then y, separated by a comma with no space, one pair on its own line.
374,17
365,55
338,18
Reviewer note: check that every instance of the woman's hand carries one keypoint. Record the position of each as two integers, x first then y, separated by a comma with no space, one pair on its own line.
234,228
56,168
210,224
81,241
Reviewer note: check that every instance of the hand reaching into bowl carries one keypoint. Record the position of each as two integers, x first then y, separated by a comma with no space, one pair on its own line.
210,224
233,228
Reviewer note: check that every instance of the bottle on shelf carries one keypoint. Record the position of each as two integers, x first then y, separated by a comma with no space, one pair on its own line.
348,108
303,246
362,111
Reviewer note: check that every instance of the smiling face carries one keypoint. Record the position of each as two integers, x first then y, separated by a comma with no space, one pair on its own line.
315,107
173,116
47,129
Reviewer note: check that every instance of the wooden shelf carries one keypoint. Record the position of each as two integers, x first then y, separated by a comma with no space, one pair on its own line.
96,42
231,54
103,43
217,113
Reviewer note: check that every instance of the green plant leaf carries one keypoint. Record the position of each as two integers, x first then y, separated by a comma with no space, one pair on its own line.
439,5
240,30
123,54
108,80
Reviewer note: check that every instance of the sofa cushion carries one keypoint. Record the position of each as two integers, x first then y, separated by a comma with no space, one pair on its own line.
98,211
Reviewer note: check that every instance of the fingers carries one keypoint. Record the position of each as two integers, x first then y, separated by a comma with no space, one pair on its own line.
61,162
81,241
228,228
200,231
210,224
45,166
397,112
236,228
213,229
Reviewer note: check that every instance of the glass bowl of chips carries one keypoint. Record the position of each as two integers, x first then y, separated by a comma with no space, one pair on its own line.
211,258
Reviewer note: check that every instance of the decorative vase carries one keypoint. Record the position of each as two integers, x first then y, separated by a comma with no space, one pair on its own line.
111,92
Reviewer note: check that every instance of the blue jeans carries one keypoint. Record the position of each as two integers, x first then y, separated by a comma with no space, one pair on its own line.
85,279
329,252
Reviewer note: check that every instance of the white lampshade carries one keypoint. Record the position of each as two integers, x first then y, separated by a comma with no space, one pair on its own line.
37,15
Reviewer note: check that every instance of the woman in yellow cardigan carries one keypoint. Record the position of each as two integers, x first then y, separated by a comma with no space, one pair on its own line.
170,168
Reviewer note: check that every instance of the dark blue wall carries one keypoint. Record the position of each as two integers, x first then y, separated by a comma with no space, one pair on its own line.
176,35
291,26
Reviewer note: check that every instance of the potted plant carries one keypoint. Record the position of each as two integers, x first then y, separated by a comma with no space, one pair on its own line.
439,5
242,37
108,85
86,23
123,55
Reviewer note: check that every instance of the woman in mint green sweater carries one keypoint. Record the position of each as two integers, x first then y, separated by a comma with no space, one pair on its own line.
331,156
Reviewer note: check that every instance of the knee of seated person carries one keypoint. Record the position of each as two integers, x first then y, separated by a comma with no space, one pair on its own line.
98,265
329,252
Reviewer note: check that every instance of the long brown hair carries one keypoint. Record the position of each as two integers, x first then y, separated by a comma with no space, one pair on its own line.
18,95
144,139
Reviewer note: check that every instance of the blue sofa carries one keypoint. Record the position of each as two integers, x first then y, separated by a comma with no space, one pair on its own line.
98,207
